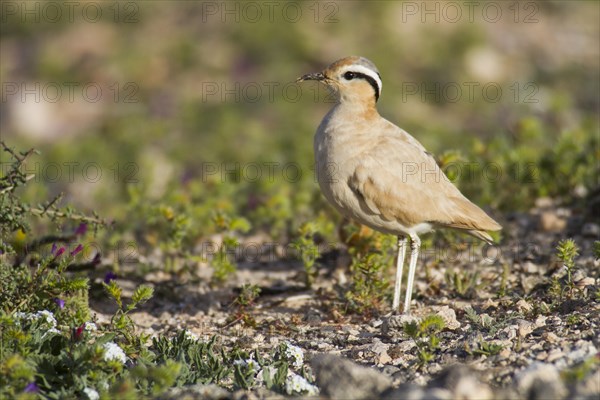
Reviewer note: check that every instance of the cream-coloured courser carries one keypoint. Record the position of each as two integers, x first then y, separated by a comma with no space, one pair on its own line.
377,174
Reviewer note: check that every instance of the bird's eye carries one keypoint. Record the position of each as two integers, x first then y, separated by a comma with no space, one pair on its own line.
349,75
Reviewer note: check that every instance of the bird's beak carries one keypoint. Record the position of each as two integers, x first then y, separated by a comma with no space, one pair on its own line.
315,76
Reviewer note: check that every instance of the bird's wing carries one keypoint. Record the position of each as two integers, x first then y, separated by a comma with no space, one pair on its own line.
396,179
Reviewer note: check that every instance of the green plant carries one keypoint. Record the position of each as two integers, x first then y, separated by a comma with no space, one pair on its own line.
222,262
36,273
424,334
121,322
464,283
369,273
502,290
485,322
307,251
243,303
200,361
567,250
486,348
15,213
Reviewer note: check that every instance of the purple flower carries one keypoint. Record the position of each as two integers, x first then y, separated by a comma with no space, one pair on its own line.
60,303
59,252
77,249
110,276
32,388
53,248
81,229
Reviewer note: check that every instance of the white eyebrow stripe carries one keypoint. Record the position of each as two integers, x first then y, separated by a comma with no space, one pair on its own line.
366,71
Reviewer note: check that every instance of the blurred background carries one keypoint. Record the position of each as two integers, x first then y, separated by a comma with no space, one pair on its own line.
150,110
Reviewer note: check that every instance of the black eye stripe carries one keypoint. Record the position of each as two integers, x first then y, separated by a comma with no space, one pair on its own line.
366,77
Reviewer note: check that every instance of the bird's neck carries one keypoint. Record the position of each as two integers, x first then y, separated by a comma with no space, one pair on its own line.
355,107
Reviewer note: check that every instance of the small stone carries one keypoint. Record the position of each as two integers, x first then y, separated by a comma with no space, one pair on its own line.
540,381
396,322
523,306
540,321
554,355
551,222
406,391
489,303
380,349
524,327
377,323
340,378
583,282
530,267
449,317
591,229
541,356
462,383
313,317
390,370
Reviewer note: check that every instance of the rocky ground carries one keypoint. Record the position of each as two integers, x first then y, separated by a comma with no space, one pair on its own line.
508,336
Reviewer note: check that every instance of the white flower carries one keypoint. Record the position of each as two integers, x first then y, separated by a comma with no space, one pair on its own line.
21,315
191,335
112,351
51,331
294,353
295,384
90,327
91,393
48,317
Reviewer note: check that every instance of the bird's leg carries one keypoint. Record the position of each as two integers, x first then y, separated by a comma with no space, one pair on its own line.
399,268
415,244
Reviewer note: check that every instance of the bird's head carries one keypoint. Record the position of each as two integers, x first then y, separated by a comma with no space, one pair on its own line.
351,79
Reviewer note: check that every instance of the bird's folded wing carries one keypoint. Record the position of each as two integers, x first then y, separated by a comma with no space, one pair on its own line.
399,181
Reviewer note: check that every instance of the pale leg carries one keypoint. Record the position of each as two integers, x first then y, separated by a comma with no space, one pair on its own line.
399,268
415,244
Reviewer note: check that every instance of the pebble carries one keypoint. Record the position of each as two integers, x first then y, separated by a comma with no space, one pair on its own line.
380,349
540,321
554,355
449,317
591,229
462,383
524,327
341,378
551,222
530,267
549,337
540,381
523,306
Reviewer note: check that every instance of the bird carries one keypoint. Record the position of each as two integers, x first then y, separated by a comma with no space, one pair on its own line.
378,175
